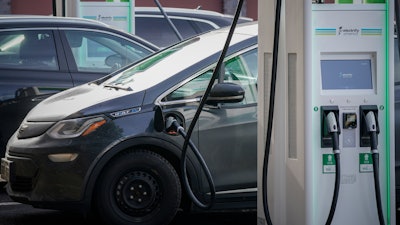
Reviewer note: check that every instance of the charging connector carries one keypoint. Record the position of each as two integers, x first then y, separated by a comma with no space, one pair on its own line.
333,130
329,127
368,126
172,126
372,130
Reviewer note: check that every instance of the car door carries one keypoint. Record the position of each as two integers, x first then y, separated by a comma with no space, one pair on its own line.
92,54
226,134
32,67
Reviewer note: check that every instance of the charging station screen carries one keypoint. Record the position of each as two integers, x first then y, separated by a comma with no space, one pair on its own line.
346,74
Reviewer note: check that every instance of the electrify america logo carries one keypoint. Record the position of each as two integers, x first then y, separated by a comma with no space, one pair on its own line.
348,31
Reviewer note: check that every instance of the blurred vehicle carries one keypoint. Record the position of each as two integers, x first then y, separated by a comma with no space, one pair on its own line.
41,55
99,146
151,25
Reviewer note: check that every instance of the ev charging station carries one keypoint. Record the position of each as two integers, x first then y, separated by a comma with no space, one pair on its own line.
333,112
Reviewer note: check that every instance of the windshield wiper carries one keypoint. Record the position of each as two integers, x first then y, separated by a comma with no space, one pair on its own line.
118,87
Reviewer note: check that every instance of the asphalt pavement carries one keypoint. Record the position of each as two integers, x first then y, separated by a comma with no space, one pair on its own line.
13,213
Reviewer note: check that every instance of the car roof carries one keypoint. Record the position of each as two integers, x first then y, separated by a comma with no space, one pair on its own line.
183,11
198,49
216,17
48,21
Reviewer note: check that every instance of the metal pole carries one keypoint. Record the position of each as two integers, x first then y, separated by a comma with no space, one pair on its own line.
169,21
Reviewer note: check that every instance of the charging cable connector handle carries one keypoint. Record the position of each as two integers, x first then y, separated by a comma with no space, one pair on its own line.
172,125
333,130
370,121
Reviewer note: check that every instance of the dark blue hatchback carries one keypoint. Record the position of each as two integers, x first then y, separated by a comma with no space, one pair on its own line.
98,146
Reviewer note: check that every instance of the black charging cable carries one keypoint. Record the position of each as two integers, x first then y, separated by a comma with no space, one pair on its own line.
187,142
333,129
371,124
173,125
271,111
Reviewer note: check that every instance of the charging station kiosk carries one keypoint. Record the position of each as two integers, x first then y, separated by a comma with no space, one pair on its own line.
117,13
335,59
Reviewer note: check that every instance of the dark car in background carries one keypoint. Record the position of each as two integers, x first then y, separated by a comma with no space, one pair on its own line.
151,25
99,146
41,55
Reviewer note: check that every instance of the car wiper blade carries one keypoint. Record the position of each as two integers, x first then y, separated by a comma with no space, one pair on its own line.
118,87
100,80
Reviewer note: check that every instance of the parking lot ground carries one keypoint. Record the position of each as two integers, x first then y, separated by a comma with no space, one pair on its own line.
13,213
224,218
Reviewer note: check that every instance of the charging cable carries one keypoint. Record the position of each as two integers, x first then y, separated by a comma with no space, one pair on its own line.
172,125
371,124
196,116
271,110
333,129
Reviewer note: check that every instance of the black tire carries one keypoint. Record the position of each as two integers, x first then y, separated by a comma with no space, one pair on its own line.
140,188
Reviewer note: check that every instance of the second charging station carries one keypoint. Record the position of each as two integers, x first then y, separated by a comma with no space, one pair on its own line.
335,61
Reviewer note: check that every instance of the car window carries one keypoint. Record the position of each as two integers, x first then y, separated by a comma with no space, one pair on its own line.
185,27
159,32
33,50
203,27
101,52
241,69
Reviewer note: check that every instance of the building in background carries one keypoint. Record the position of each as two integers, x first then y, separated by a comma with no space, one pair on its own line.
5,7
44,7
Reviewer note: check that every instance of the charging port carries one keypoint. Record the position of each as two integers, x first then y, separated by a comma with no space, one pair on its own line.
365,138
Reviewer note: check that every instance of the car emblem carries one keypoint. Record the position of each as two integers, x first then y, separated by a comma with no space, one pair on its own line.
22,128
125,112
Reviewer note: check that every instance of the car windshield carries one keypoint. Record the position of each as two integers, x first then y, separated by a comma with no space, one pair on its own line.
126,76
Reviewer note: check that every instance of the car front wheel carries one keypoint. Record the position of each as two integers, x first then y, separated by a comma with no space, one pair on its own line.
140,188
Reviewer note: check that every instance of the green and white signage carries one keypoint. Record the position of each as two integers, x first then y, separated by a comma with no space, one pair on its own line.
328,163
365,162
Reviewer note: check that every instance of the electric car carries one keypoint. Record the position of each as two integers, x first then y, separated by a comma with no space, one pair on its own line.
102,146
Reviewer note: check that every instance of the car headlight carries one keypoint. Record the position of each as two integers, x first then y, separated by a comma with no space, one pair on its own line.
76,127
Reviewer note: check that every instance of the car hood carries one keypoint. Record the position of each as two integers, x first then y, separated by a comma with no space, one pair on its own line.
84,100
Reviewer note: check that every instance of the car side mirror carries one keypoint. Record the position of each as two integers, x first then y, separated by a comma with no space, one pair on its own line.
225,93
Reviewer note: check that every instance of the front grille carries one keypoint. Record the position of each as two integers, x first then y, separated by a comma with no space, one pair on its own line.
23,172
22,184
11,153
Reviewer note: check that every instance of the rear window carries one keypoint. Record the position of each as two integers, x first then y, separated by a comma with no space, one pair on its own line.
33,50
159,32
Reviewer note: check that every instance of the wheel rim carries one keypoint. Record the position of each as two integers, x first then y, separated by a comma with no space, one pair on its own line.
137,193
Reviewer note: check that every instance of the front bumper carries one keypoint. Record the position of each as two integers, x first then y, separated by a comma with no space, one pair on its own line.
34,178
